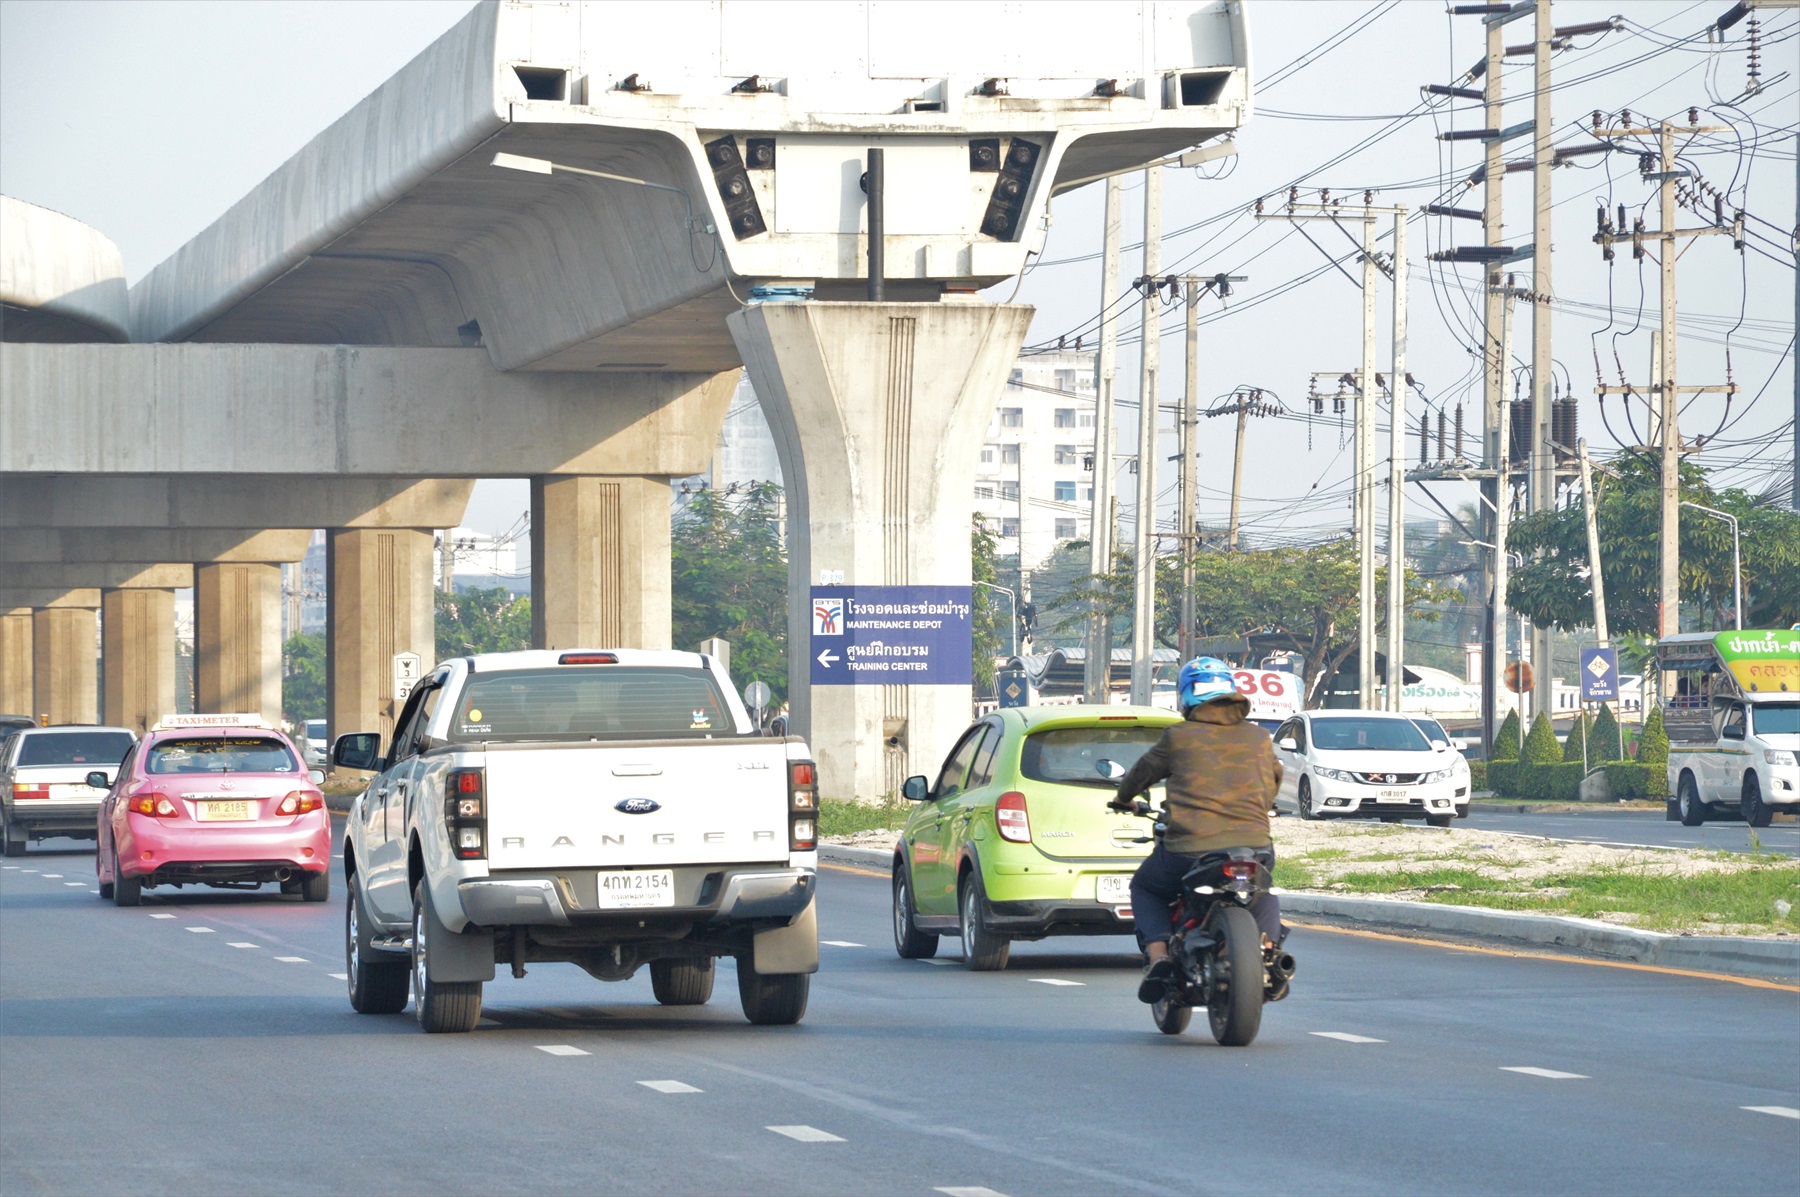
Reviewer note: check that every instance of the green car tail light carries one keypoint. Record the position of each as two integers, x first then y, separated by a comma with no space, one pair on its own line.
1012,818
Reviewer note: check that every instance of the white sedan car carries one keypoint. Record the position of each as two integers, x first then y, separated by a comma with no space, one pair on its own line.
1368,763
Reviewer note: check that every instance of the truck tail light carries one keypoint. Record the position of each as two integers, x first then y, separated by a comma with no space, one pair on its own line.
465,812
26,793
1011,817
299,803
803,806
155,805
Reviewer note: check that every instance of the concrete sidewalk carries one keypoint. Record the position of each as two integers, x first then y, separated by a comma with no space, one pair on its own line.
1777,958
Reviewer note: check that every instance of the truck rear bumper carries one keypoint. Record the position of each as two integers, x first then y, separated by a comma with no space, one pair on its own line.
712,894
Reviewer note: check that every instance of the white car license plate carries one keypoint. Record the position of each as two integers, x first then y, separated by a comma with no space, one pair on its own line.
1113,889
222,812
1402,795
633,891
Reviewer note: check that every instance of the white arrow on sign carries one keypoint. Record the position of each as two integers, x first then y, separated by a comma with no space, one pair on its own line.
829,658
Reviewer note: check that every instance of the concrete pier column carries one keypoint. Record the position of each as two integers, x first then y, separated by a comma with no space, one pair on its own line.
599,562
379,602
15,662
879,411
137,629
237,638
65,662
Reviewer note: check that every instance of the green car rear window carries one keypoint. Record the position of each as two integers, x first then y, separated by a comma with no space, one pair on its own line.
1072,755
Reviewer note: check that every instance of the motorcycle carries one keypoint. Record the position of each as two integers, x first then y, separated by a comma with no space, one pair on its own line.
1220,961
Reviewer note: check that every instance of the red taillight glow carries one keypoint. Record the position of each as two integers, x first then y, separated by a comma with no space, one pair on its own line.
588,659
299,803
26,793
154,805
468,783
1240,868
800,773
1011,817
466,810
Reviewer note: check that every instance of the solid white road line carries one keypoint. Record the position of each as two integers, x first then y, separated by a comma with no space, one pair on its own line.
242,945
293,959
1778,1111
560,1049
670,1086
199,930
1549,1074
806,1134
1055,981
967,1191
841,943
162,916
1345,1037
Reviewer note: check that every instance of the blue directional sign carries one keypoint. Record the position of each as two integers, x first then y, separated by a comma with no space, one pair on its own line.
1014,688
1599,675
891,635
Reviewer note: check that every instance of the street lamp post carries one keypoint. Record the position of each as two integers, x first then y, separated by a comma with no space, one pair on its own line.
1013,602
1737,569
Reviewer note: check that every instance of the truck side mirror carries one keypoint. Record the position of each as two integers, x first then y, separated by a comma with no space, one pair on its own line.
1733,731
915,789
359,750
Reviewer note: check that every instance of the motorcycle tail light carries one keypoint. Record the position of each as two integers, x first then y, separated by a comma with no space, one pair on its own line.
1240,869
1011,817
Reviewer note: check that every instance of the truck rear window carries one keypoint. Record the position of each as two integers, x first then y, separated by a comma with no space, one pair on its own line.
75,748
592,702
220,754
1072,755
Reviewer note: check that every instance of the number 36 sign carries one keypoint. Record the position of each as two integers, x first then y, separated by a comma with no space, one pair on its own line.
1272,694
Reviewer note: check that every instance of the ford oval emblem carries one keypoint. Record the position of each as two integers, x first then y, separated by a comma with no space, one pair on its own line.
638,806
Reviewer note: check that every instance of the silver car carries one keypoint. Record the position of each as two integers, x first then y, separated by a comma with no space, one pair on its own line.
43,781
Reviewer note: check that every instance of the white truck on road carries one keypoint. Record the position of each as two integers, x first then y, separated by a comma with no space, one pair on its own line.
1733,724
610,808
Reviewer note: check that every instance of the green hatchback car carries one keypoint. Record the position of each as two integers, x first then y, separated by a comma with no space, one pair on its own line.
1014,840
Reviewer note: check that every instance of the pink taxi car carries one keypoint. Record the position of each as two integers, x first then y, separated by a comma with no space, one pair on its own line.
217,800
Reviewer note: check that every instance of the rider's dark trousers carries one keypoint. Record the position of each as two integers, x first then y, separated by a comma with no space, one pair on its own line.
1157,883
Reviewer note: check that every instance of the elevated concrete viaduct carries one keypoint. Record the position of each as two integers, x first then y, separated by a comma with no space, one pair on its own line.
738,154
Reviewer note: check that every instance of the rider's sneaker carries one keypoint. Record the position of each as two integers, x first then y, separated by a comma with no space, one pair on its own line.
1155,984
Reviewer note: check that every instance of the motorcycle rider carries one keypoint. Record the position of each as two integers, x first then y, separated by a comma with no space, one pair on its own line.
1222,776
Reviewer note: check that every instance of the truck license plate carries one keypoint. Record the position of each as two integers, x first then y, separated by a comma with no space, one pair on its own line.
222,812
633,891
1113,889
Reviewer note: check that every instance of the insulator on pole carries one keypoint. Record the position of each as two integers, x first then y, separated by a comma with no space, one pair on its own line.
1459,431
1424,438
1441,423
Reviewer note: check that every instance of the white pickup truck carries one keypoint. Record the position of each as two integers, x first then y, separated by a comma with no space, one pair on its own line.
1733,724
610,808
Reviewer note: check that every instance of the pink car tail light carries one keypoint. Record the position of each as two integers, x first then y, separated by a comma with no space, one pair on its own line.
299,802
1012,818
154,805
26,793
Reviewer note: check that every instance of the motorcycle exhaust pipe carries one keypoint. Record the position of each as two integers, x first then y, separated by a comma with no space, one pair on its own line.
1281,967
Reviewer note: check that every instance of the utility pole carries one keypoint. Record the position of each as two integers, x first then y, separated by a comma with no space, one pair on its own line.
1503,509
1143,626
1365,481
1243,404
1593,542
1542,490
1098,672
1190,466
1396,593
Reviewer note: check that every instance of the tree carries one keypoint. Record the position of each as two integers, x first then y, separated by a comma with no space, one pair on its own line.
481,621
1506,739
987,640
1575,743
1541,747
1606,744
1552,588
729,578
303,677
1653,744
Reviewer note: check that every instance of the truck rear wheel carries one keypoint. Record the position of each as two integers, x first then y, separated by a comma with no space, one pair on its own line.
1757,813
778,1001
441,1006
1687,798
681,982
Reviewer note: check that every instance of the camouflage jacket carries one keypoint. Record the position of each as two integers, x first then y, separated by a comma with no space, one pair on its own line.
1222,776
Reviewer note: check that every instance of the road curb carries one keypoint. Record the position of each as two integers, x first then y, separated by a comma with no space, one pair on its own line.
1775,958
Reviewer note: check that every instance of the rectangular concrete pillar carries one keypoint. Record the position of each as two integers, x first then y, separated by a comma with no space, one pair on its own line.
64,667
379,602
237,639
137,659
15,663
600,562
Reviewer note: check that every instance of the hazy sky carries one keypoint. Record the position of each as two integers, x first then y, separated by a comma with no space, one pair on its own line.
148,119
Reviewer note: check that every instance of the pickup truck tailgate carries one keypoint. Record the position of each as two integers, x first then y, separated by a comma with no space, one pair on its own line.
626,805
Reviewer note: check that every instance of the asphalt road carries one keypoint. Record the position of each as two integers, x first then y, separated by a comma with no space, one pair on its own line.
1641,828
202,1043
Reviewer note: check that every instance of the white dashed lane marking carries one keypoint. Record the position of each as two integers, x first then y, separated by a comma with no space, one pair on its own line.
939,963
77,884
841,943
1778,1111
162,916
199,930
1054,981
293,959
339,976
669,1086
968,1191
560,1049
58,876
241,945
1549,1074
806,1134
1345,1037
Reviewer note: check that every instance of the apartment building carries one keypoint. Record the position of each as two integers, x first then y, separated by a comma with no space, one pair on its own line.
1035,480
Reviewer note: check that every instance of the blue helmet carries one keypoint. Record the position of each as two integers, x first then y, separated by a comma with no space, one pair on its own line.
1202,680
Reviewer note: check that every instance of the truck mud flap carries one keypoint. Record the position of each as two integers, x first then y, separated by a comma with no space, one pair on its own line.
454,956
790,949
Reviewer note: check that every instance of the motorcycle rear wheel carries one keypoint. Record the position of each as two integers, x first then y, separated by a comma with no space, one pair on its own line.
1235,1011
1171,1014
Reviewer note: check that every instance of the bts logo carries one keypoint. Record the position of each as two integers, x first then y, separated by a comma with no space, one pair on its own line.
828,617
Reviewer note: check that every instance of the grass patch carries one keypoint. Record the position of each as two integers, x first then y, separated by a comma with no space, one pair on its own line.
838,816
1292,874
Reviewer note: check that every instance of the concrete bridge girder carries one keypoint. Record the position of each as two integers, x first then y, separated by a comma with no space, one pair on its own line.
150,546
66,501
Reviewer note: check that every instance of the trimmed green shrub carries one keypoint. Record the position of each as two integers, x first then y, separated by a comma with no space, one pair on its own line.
1502,778
1575,743
1653,747
1478,776
1631,779
1541,747
1604,741
1506,739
